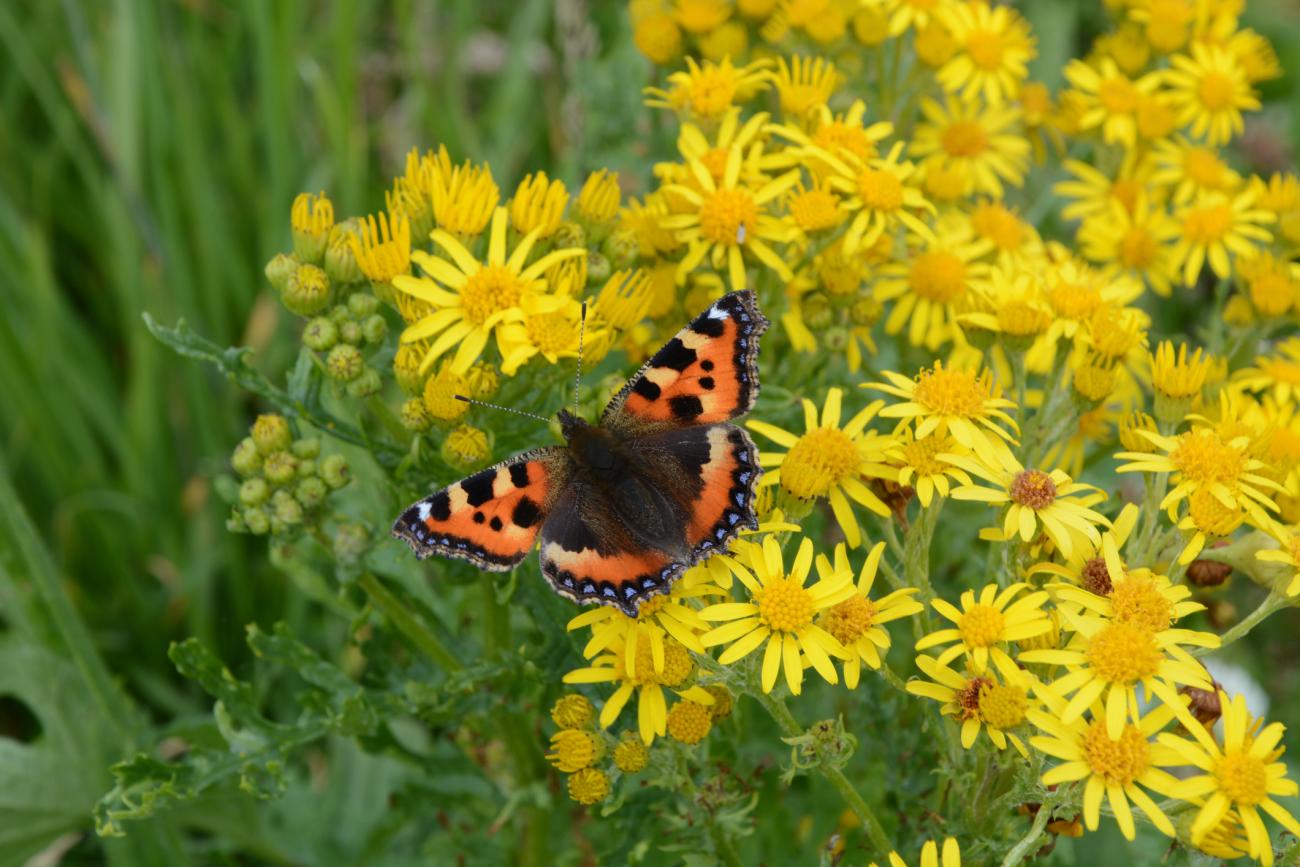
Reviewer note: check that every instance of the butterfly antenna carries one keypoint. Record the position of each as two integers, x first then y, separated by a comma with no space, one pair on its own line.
582,332
502,408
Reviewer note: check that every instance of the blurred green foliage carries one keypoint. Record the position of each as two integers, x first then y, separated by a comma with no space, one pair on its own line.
149,155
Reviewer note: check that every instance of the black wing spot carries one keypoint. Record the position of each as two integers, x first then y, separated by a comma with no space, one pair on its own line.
519,475
496,523
686,407
479,518
646,389
706,383
674,356
706,365
478,487
526,513
440,506
708,326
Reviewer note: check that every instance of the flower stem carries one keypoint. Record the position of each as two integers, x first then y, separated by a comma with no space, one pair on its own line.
1272,602
1019,851
790,726
392,608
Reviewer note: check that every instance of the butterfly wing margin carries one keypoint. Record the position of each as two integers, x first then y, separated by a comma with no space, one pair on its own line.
710,471
708,372
493,517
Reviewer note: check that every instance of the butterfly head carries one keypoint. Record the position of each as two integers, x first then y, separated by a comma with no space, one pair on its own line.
570,424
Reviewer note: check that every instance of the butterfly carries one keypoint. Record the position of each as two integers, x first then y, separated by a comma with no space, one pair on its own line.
629,504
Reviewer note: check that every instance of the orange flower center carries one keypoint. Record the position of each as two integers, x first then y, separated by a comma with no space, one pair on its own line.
728,216
1033,488
1207,224
880,189
965,138
938,276
490,290
1217,91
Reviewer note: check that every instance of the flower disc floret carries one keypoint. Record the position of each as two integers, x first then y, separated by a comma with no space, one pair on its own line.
982,626
785,605
727,216
1124,653
818,461
1033,488
1003,706
1242,777
1118,761
849,620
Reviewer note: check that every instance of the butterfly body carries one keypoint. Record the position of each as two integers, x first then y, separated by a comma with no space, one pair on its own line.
626,505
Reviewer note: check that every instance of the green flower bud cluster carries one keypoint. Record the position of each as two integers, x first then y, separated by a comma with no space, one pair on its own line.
285,481
342,335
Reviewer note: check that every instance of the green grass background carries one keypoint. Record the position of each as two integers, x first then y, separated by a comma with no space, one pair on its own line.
148,155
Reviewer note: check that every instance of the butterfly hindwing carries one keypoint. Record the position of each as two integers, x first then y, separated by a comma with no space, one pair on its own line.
592,547
491,518
708,372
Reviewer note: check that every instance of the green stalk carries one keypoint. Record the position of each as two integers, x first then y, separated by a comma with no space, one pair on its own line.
398,614
790,726
1272,602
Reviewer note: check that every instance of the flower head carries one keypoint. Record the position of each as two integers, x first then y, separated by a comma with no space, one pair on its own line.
984,624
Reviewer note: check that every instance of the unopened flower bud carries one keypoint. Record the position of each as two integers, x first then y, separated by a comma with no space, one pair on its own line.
621,248
569,234
278,270
482,380
271,433
817,312
235,522
598,269
306,448
254,491
246,459
311,219
339,314
866,310
722,701
320,334
365,385
280,468
350,332
340,261
466,448
572,712
306,467
406,368
631,755
374,329
350,543
334,470
415,416
362,304
344,363
256,520
307,291
285,509
310,492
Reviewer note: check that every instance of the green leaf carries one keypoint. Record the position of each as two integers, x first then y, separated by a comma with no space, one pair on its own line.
302,404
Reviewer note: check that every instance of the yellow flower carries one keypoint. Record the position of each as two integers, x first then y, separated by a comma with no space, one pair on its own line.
383,253
1280,196
464,198
1215,226
1117,766
1271,284
930,856
311,217
1179,375
829,460
479,296
920,466
538,205
612,666
855,621
589,786
701,16
598,199
978,701
982,625
671,615
837,134
1112,100
572,711
1288,555
994,47
575,749
930,283
1191,168
978,142
1108,659
1242,775
1011,237
1211,91
1033,497
657,37
689,722
1277,374
814,209
781,614
804,85
631,756
728,219
709,90
1136,243
1094,192
1201,460
881,195
947,400
549,326
912,13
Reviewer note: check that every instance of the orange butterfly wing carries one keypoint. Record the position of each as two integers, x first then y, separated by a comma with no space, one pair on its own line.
491,518
707,373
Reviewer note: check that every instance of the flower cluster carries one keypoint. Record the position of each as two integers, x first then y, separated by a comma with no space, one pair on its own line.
984,414
284,480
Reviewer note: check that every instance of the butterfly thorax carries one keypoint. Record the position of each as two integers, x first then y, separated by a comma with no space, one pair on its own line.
594,450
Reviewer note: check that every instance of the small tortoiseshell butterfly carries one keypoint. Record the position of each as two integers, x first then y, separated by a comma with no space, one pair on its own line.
629,504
